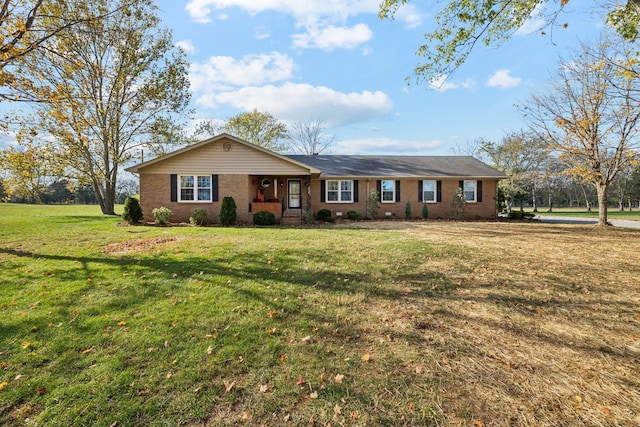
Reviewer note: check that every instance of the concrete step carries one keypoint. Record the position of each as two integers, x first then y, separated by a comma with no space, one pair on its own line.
292,217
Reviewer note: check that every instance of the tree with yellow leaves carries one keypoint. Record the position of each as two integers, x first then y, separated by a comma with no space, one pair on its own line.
106,88
589,114
463,24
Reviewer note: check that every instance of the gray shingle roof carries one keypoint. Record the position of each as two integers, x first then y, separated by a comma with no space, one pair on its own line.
399,166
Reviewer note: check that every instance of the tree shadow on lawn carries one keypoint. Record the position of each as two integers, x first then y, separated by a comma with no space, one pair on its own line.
444,323
104,287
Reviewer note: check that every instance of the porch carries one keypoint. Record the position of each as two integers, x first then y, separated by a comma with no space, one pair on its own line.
284,196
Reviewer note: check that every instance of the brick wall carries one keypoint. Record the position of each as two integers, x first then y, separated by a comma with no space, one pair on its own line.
155,192
409,191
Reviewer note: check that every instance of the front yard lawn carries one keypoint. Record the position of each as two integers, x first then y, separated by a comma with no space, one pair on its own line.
393,323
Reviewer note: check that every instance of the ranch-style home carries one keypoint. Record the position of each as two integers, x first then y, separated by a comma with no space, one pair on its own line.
200,175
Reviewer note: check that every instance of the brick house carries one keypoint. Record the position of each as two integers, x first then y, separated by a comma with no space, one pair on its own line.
200,175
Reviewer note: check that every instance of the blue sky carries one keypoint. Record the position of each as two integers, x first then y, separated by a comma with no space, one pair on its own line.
335,60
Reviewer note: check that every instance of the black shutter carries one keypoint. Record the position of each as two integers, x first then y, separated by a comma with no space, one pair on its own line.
214,188
397,191
479,191
355,191
461,185
420,191
438,191
174,187
323,191
379,189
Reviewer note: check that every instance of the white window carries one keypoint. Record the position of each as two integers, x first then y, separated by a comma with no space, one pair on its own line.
429,191
388,191
469,190
194,188
340,191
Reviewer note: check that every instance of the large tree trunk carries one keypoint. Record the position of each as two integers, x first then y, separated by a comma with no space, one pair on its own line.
602,204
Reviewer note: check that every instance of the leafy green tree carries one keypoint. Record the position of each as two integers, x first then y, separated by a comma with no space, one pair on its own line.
258,128
519,155
28,171
589,116
106,87
59,191
461,24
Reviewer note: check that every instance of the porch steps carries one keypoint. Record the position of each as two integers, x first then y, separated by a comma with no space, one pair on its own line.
292,217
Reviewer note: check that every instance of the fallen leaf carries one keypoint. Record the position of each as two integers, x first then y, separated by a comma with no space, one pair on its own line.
169,375
301,381
337,409
606,411
338,379
3,384
88,350
122,323
306,339
478,423
577,399
228,385
209,350
314,395
263,388
366,357
42,390
246,416
26,344
283,358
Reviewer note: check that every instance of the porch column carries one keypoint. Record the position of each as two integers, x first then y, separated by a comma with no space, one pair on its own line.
307,181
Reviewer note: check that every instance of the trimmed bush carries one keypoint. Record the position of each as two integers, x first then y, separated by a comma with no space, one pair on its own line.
264,218
228,211
373,204
407,210
162,215
324,215
132,211
521,215
198,217
425,210
353,215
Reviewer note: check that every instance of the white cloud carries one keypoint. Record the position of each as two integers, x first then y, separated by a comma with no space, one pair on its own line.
323,20
534,23
187,46
331,37
503,79
292,102
411,17
221,71
261,33
442,84
199,10
384,146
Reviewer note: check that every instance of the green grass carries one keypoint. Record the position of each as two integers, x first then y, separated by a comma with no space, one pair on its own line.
218,325
372,323
612,213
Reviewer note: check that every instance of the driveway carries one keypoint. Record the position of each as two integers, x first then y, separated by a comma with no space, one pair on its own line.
625,223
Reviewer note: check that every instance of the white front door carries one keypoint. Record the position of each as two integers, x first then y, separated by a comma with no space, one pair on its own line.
295,194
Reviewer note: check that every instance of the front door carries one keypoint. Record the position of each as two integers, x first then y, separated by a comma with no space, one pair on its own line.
295,194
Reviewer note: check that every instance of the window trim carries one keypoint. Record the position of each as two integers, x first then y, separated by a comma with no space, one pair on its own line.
382,191
435,191
196,189
339,190
475,190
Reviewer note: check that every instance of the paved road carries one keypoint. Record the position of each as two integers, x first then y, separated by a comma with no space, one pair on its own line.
576,220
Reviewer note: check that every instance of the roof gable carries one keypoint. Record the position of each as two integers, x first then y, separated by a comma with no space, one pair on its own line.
223,154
